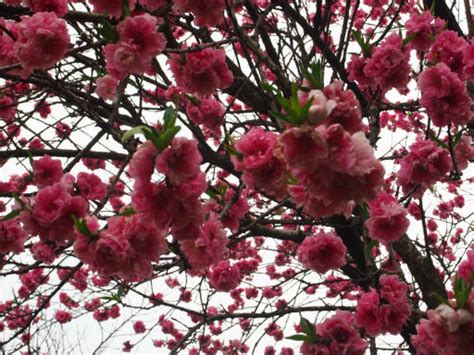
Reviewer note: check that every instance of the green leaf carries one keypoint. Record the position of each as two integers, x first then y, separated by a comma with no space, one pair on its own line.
440,299
306,326
212,194
365,46
462,291
169,118
408,39
152,135
437,140
125,9
269,88
315,74
222,189
282,116
305,108
108,32
30,159
432,9
365,209
10,215
370,245
309,329
129,211
195,101
19,201
166,138
457,138
81,226
232,151
135,130
299,337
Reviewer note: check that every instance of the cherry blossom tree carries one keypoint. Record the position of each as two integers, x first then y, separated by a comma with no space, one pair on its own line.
233,176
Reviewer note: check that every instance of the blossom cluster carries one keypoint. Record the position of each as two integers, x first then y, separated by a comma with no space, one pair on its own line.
447,331
336,335
36,42
385,310
333,167
139,42
174,204
388,220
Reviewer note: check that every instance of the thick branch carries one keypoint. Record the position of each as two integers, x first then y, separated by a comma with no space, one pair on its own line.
425,274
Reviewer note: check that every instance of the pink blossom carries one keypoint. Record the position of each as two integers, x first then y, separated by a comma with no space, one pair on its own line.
187,218
142,163
42,41
338,336
444,96
224,276
180,161
207,12
347,111
320,107
146,242
112,7
423,166
322,252
141,31
192,188
348,173
303,147
12,236
388,221
363,155
43,252
107,87
59,7
423,27
256,147
271,178
236,212
63,130
152,4
209,248
93,164
395,316
43,108
155,201
139,43
201,72
468,61
389,65
49,202
47,171
110,254
445,331
463,152
51,213
368,314
7,48
91,186
386,311
62,316
36,144
139,327
209,113
392,289
355,69
466,268
7,109
448,48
